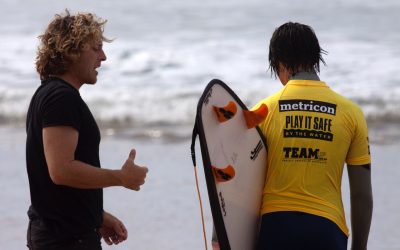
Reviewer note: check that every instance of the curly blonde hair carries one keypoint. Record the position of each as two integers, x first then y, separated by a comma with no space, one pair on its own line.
64,40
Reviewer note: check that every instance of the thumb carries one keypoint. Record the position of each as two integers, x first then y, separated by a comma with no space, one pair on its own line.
132,155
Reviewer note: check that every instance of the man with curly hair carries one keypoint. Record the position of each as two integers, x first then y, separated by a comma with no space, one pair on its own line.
62,147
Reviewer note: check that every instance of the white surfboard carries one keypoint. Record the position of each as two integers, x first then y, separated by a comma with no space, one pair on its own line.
234,158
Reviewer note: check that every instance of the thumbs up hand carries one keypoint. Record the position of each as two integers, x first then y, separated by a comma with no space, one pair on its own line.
132,176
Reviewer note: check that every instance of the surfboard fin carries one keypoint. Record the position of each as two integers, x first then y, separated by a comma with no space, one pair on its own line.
255,117
223,174
225,113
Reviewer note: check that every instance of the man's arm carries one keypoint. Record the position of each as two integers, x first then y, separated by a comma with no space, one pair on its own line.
60,143
361,204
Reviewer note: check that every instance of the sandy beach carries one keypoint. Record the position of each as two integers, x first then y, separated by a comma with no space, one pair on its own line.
165,213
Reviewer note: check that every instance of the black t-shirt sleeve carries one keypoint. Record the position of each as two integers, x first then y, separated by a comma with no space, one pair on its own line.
62,109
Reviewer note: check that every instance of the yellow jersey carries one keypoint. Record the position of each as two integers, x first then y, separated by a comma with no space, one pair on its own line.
311,132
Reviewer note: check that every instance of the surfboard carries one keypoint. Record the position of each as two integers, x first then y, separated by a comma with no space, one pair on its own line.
234,154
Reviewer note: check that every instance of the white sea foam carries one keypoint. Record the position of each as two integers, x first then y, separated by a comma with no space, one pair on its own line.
164,55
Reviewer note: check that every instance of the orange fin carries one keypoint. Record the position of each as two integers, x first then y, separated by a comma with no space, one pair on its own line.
224,174
225,113
255,117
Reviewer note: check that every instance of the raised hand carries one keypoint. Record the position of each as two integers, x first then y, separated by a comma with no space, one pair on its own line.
132,175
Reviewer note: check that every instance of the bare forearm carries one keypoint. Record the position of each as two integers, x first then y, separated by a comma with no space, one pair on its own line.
60,144
361,204
81,175
361,216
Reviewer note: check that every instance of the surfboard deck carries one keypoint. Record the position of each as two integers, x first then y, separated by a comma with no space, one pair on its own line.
234,158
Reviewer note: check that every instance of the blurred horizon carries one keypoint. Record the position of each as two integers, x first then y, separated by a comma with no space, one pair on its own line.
165,53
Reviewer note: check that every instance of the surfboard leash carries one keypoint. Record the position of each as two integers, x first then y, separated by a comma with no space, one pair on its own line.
193,154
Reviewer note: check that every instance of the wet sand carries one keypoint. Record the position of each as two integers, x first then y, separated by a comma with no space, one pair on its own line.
165,213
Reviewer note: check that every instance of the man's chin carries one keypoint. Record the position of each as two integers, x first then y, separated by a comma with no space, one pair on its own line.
91,82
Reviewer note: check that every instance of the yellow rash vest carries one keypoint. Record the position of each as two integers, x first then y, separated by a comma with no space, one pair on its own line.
311,132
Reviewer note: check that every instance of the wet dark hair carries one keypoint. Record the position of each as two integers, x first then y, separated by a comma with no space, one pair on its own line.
296,47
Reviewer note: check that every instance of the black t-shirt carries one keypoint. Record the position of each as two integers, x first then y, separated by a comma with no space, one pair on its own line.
65,210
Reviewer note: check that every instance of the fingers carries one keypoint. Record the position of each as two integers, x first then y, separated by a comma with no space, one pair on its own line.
116,239
107,240
122,232
114,233
141,175
107,234
215,245
113,239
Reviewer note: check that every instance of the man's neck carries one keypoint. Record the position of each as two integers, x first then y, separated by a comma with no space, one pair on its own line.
305,75
70,79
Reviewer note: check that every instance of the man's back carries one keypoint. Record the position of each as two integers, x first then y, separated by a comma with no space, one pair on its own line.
311,132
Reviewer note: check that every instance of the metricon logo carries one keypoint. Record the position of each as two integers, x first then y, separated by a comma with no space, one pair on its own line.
300,123
307,105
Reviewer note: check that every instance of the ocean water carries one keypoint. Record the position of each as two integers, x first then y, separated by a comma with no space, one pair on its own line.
165,52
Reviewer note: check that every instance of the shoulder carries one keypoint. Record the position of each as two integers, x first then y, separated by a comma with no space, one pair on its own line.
345,104
58,85
271,101
57,88
53,93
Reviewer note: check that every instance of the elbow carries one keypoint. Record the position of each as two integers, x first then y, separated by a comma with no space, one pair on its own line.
364,200
362,196
58,176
